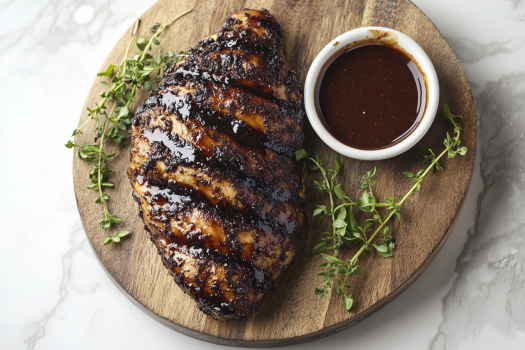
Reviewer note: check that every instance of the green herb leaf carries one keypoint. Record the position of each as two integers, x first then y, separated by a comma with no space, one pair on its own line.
339,223
386,254
380,248
317,212
108,240
331,259
357,270
122,233
300,154
108,72
338,164
339,192
319,248
342,215
348,302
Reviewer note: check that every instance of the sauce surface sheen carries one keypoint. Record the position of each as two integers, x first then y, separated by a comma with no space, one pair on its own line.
371,96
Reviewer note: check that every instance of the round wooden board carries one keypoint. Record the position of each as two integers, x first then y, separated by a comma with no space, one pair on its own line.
293,313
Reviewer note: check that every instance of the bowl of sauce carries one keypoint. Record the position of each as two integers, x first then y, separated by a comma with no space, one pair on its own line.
372,93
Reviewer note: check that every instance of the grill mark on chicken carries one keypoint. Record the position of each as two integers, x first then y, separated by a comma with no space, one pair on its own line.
266,74
198,250
263,73
245,116
263,164
258,28
227,194
186,223
154,145
247,53
221,188
210,166
222,289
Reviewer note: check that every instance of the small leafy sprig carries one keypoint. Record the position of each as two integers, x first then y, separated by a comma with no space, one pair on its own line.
345,229
115,238
139,72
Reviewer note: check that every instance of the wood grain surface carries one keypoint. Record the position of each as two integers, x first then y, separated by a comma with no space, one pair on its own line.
293,313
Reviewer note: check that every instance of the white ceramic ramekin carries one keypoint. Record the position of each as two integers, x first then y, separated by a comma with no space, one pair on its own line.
375,34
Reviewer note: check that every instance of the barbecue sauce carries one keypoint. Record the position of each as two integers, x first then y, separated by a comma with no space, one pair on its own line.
371,96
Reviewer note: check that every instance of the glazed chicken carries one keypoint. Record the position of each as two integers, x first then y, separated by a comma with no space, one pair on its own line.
211,166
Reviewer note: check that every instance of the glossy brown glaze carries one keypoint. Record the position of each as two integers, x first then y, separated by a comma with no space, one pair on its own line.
371,96
211,169
249,118
248,53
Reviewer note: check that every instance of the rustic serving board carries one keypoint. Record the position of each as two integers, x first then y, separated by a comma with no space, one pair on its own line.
293,313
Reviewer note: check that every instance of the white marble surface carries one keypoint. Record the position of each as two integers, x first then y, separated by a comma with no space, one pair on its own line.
55,295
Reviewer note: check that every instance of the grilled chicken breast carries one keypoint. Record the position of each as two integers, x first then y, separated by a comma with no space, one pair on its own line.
211,166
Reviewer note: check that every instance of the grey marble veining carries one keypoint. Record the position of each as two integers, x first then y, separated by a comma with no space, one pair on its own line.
39,326
54,293
469,51
487,299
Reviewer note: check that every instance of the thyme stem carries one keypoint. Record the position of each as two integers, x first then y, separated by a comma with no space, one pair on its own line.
355,258
160,30
100,155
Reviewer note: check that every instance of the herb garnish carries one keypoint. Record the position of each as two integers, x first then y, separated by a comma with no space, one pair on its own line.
345,229
132,74
115,238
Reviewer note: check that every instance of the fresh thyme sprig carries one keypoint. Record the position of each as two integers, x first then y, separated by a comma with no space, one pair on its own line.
345,229
137,73
344,226
115,238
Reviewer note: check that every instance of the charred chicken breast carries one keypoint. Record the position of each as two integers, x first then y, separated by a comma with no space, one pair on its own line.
211,166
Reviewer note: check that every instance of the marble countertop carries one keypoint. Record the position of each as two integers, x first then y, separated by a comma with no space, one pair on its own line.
55,294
